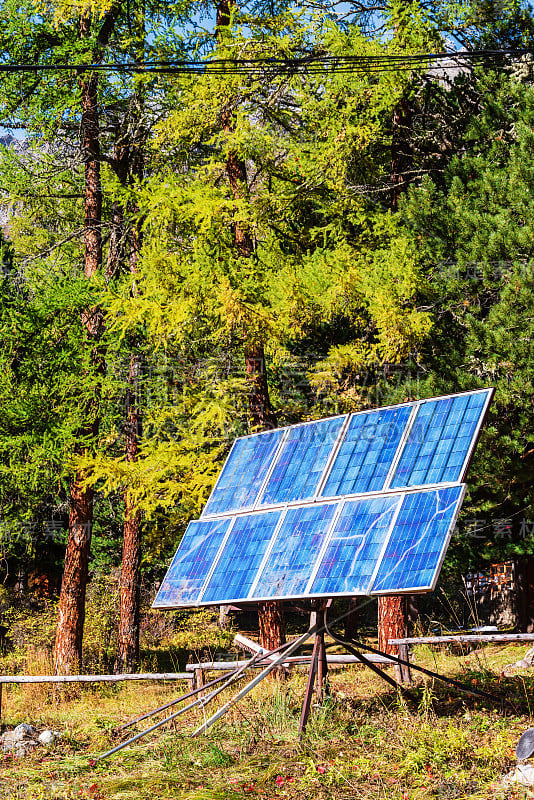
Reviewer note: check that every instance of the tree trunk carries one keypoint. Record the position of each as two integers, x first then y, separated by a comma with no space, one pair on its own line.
272,625
261,412
71,610
128,654
391,621
130,596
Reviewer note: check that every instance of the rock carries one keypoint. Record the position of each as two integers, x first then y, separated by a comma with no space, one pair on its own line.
525,663
47,737
23,731
523,775
25,747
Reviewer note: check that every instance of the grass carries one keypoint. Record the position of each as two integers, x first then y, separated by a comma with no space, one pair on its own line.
367,741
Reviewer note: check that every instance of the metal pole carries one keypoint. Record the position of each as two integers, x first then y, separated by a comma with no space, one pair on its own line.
395,660
304,714
177,700
230,678
199,701
227,706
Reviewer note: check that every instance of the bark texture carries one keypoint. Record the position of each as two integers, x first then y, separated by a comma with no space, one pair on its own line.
391,621
272,625
128,653
71,610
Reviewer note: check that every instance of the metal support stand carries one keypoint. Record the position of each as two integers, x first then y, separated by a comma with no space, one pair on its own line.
275,659
318,666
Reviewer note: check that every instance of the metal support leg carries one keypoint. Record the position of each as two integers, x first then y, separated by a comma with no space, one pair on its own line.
309,687
323,689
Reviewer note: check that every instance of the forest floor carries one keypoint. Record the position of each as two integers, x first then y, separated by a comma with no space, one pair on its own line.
367,741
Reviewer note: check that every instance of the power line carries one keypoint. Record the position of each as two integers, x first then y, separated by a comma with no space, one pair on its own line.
309,65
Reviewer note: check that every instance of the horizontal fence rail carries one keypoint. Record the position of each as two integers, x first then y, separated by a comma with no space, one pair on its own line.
291,661
149,676
467,637
135,676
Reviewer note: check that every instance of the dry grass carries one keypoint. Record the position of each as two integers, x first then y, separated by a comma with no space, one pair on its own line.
366,742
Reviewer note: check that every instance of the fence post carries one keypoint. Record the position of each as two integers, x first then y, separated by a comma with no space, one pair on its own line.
404,669
199,680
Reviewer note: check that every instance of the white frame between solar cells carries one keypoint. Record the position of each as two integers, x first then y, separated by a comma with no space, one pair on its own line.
340,504
250,508
290,507
409,427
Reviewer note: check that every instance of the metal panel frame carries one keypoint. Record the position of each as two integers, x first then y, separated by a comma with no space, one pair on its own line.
474,439
263,599
478,429
211,569
318,497
340,502
321,555
221,549
350,418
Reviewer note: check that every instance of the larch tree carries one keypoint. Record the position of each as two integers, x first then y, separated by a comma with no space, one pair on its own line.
113,133
257,232
71,608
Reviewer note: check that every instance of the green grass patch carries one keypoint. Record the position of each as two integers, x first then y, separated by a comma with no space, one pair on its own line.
366,741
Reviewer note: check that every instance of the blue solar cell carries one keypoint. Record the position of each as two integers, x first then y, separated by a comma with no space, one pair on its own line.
439,440
244,472
367,452
191,564
354,546
301,461
295,551
418,540
243,552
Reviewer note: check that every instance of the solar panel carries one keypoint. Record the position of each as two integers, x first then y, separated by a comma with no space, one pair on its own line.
418,542
192,563
365,505
440,440
295,551
354,547
367,452
243,553
301,462
244,472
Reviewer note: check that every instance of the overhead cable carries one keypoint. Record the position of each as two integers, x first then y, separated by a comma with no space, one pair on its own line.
309,65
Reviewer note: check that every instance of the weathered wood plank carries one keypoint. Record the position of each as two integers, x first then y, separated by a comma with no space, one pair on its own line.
467,637
158,676
331,659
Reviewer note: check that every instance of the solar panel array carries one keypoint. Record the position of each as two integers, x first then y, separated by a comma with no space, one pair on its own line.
359,504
